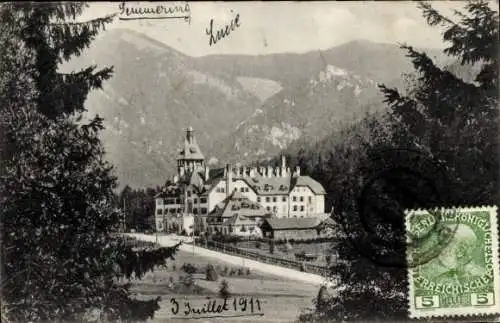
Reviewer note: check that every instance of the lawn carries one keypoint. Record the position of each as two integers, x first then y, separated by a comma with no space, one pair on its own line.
279,300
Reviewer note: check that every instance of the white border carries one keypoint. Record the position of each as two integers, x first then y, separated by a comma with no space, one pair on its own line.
461,311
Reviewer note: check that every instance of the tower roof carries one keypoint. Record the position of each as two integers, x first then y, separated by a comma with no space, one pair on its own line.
191,150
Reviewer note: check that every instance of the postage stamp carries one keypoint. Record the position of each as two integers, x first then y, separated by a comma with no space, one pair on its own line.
463,277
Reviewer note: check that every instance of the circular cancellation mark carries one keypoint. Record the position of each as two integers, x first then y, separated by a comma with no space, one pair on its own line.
397,180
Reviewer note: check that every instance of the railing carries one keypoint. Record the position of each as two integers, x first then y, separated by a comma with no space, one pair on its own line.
293,264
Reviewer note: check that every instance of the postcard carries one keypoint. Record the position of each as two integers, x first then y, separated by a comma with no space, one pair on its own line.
249,161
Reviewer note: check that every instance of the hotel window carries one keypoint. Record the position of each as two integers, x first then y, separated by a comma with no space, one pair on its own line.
302,208
242,189
189,193
258,198
284,198
159,211
302,199
295,207
203,200
268,199
310,199
195,211
275,209
294,198
274,198
203,210
268,208
195,200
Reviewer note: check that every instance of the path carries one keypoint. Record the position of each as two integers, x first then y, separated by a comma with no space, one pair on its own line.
286,273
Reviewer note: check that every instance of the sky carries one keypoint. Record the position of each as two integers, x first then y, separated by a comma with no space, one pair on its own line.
276,27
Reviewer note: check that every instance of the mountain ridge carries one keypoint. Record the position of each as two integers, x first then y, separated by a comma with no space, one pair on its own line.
157,92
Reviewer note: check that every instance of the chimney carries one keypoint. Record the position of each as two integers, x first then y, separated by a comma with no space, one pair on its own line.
283,166
181,171
269,171
252,172
297,170
176,179
277,171
288,171
229,180
207,173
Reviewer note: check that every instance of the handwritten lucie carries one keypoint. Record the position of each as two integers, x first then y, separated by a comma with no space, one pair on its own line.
223,32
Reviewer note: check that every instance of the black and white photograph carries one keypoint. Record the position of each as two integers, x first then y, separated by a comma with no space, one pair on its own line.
308,161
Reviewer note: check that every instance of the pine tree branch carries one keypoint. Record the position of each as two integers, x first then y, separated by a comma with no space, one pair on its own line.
70,38
98,21
432,16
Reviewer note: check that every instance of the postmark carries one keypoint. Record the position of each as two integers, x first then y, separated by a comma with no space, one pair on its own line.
399,179
463,279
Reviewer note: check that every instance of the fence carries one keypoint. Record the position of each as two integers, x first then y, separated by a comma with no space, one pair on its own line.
298,265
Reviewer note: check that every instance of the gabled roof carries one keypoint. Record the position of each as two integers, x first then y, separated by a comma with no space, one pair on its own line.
293,223
237,204
196,179
210,185
191,150
270,185
316,187
239,219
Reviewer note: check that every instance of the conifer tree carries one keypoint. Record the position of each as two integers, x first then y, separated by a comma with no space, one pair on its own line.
452,119
60,257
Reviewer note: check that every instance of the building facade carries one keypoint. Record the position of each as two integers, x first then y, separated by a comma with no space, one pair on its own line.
296,228
196,190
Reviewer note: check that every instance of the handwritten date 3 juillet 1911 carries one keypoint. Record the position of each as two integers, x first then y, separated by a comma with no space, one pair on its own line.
240,305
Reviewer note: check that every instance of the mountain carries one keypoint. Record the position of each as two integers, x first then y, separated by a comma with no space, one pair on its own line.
242,107
155,93
307,111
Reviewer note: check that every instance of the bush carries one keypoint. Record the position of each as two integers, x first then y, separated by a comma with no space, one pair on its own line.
188,268
322,299
188,280
224,289
210,273
240,271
